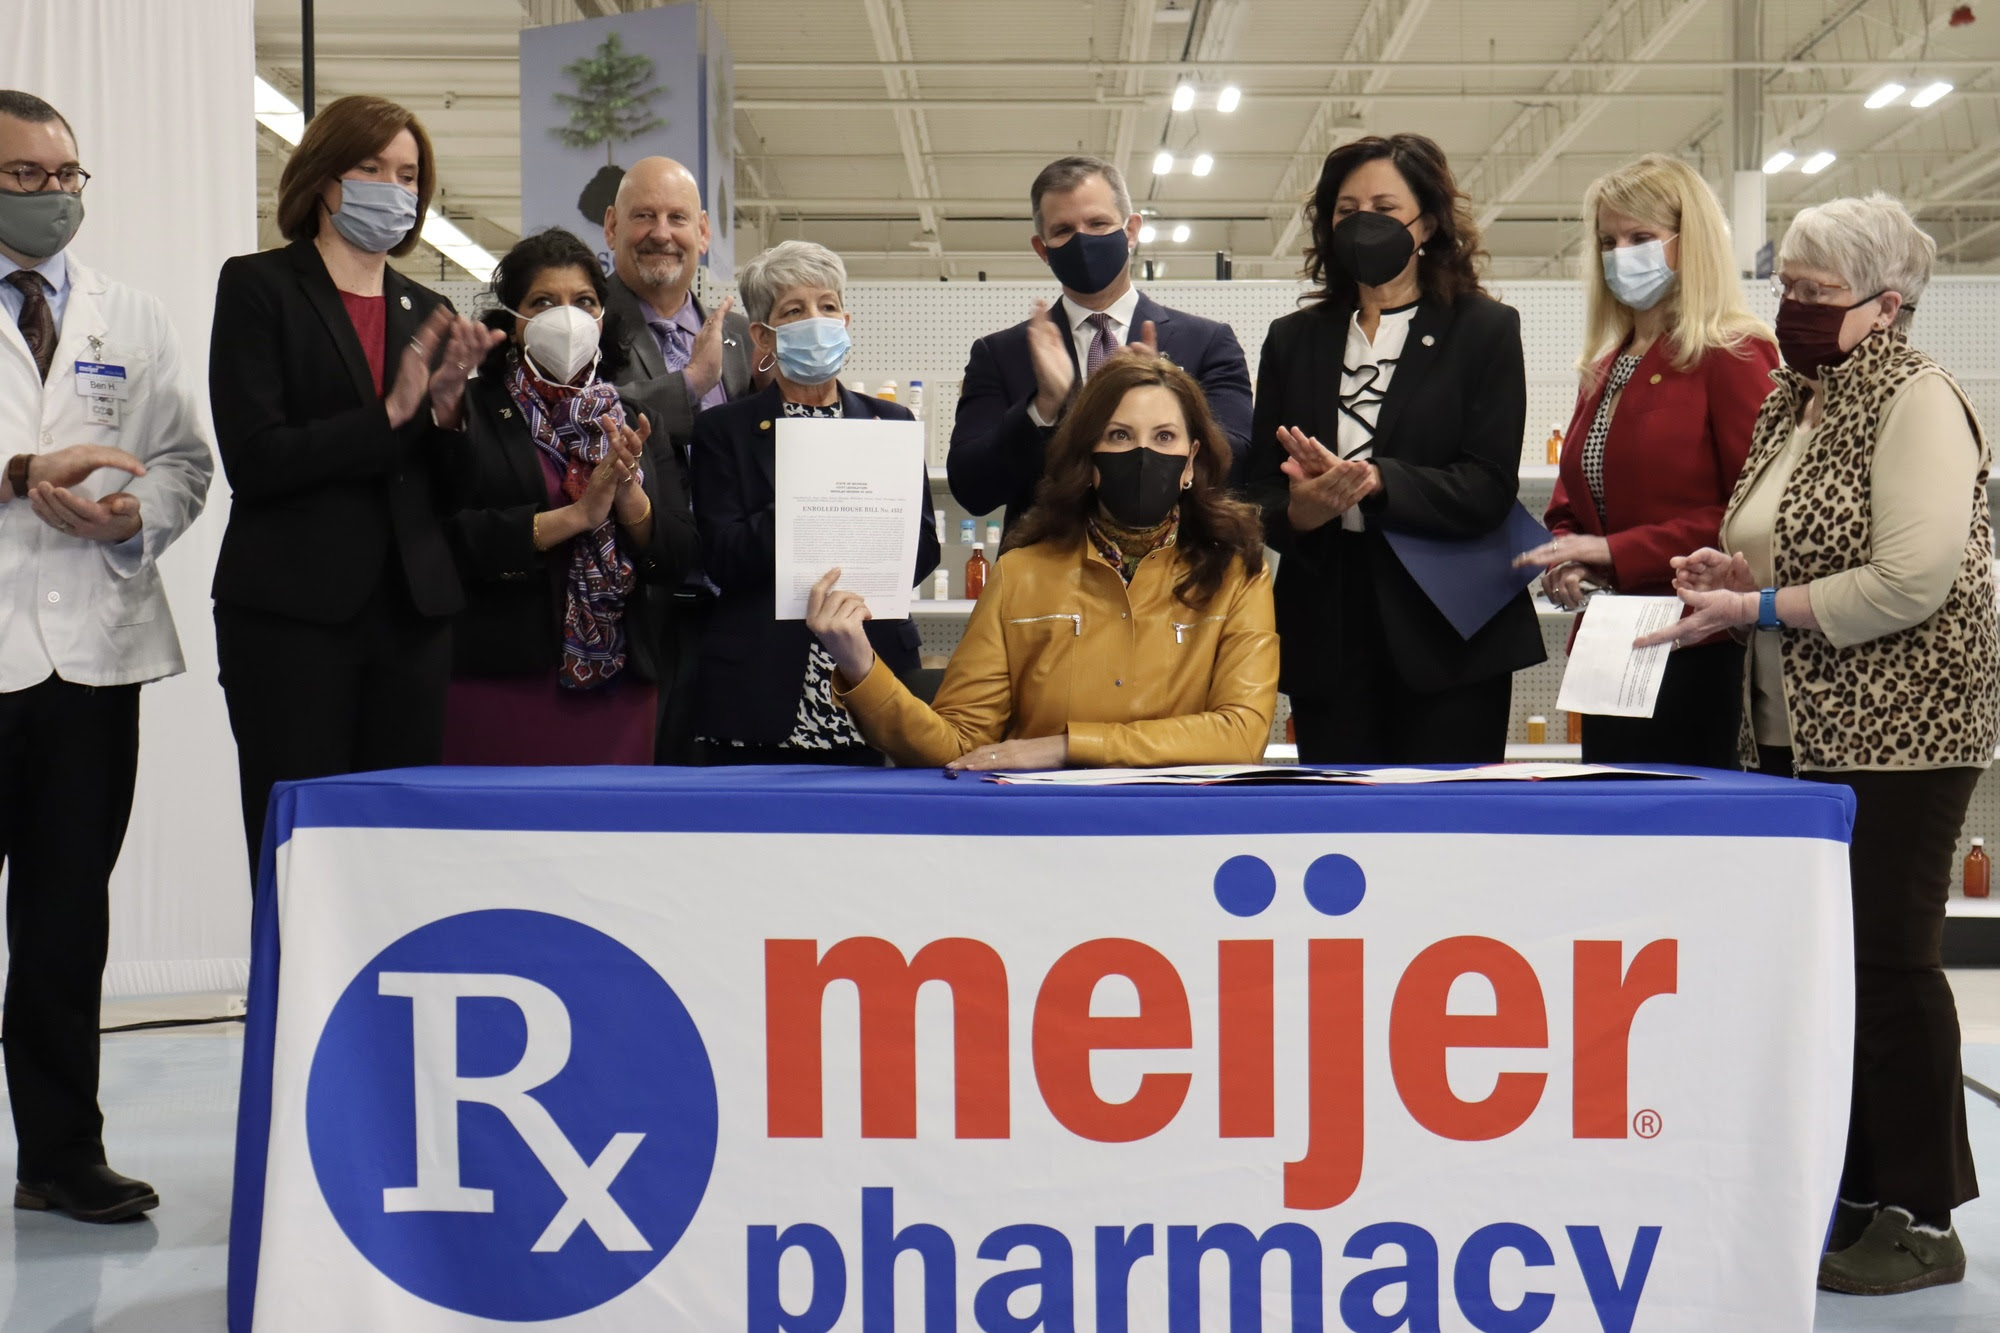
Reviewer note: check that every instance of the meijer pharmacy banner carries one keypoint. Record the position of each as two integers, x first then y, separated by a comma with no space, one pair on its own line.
794,1051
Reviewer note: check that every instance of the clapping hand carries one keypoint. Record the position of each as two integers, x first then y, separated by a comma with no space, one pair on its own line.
1707,613
1324,485
628,445
1709,570
1055,373
466,343
840,619
704,367
1569,561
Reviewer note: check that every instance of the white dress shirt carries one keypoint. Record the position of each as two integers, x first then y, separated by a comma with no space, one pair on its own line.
54,271
1083,333
1365,371
93,613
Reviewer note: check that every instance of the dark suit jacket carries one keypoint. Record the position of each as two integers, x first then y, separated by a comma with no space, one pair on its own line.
516,595
326,493
752,665
996,448
1448,447
650,385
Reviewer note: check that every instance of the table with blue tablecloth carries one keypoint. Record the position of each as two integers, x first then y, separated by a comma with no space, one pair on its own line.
808,1050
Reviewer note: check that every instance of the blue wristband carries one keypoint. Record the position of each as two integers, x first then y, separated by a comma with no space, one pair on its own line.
1767,610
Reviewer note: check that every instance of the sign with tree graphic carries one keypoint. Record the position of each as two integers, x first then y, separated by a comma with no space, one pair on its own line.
612,98
598,95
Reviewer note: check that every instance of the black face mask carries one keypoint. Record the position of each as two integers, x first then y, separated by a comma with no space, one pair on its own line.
1372,248
1089,263
1139,487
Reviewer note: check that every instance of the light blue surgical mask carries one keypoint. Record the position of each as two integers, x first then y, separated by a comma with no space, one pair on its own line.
1638,275
812,351
375,215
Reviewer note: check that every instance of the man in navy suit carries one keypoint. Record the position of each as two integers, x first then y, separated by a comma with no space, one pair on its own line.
1019,381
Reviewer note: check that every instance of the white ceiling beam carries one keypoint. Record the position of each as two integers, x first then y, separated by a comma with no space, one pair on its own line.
1970,133
1136,43
1960,244
1636,30
1385,28
891,31
1796,115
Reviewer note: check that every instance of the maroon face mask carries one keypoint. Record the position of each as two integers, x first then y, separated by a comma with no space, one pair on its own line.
1809,335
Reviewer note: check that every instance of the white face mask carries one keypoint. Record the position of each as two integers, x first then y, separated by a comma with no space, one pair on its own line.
560,342
1638,275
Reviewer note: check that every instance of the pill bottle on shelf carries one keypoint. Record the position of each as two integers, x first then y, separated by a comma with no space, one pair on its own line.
1538,730
916,403
1978,870
965,532
1576,728
941,586
993,533
887,391
975,571
1555,445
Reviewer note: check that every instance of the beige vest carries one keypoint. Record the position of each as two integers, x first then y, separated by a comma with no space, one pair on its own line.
1924,697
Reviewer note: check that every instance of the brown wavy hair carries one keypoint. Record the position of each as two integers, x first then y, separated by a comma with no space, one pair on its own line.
1449,265
344,134
1215,530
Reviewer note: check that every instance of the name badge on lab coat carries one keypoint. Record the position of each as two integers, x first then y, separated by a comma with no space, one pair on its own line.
99,379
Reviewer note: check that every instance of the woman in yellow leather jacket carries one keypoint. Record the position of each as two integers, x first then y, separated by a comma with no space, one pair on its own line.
1128,621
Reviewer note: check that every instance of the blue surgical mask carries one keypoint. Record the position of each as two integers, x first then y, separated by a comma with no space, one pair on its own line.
1638,275
375,215
812,351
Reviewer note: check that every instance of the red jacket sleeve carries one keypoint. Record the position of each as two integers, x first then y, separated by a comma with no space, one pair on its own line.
1736,382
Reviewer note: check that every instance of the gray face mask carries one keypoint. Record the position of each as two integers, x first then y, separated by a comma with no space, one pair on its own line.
38,225
375,215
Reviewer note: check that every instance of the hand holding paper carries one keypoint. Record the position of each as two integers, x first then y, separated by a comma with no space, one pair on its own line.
1609,673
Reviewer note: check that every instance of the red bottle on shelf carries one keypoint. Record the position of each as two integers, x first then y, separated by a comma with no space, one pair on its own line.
1978,870
975,572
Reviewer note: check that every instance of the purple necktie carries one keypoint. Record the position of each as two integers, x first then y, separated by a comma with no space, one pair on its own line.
679,349
38,322
1102,343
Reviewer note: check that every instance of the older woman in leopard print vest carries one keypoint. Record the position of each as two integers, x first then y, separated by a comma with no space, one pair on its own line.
1864,564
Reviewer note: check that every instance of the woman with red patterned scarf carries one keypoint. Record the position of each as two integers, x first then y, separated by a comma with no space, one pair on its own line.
571,531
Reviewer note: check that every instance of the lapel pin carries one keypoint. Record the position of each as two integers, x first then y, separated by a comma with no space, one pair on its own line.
763,425
406,302
1429,341
506,414
1655,379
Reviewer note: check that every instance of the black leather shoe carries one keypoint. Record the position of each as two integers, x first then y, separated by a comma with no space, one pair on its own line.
89,1194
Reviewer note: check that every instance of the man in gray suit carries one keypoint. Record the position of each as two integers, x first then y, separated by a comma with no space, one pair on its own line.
681,360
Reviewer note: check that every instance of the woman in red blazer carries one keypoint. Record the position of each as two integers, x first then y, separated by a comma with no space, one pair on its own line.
1674,370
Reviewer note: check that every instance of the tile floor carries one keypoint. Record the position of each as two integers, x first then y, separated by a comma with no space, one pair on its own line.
170,1098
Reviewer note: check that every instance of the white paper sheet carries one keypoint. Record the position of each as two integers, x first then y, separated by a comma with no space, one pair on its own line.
1606,675
1198,775
849,494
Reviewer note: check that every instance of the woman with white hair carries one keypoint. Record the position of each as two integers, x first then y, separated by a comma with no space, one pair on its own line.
1674,369
1864,562
764,690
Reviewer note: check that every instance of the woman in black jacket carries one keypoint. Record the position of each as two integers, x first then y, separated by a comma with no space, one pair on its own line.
765,691
572,530
1418,430
337,386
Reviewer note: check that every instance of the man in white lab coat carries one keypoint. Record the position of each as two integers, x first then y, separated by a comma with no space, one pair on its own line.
107,461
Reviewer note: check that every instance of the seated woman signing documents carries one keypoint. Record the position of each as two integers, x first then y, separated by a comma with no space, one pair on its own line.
1128,621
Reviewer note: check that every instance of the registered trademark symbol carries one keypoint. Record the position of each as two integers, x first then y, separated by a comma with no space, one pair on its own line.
1646,1124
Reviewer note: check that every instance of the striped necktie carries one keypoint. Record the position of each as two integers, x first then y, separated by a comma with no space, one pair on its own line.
1103,343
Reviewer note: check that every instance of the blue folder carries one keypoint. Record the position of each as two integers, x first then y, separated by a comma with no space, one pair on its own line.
1471,580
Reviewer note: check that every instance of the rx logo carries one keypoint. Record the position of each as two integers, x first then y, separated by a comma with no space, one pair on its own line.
511,1115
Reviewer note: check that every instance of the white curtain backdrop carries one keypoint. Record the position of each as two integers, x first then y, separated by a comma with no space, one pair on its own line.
159,92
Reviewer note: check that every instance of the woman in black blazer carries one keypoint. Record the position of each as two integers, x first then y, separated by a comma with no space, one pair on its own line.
573,529
1394,402
764,691
336,385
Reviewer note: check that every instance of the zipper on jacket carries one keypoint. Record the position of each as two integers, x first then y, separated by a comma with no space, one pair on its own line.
1072,617
1181,629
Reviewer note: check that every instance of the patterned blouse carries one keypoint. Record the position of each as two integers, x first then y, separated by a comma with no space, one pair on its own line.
1600,429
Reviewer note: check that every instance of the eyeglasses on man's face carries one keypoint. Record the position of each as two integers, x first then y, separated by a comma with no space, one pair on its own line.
32,179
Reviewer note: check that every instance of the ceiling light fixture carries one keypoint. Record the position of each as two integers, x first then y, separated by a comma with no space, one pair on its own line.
1777,162
1184,97
1817,163
1181,233
1926,96
1884,95
1146,235
1203,165
1228,99
1163,162
278,113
